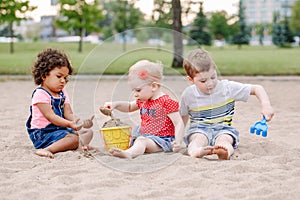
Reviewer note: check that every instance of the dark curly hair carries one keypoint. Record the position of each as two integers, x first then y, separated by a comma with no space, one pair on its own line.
47,60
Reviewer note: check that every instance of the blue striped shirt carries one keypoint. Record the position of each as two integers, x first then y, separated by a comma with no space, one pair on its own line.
217,107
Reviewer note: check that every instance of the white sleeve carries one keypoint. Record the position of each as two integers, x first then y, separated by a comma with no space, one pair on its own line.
183,108
239,91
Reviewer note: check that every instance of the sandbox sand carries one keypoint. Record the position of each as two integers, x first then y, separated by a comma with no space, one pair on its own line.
261,168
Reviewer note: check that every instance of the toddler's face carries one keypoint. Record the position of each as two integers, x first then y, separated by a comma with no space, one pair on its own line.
56,80
206,81
142,90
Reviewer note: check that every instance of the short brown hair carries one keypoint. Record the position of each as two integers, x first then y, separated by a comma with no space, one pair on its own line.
197,61
47,60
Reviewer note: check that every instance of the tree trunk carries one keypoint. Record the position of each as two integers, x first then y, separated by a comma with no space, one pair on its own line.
124,40
80,41
177,35
11,35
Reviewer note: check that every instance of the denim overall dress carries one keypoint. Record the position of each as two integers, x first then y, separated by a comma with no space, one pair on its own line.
42,138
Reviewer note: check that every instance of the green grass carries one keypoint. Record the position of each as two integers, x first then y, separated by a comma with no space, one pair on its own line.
109,58
25,54
257,61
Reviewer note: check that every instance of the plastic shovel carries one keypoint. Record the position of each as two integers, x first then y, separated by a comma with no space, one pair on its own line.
106,111
260,127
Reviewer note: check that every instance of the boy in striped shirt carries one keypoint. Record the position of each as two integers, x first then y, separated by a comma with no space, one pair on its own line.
209,104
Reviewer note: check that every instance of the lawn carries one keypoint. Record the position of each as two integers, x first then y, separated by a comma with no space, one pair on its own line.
109,58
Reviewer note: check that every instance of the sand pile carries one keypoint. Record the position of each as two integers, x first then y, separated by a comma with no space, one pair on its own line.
113,122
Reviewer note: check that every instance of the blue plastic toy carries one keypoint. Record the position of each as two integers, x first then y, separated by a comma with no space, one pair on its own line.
260,127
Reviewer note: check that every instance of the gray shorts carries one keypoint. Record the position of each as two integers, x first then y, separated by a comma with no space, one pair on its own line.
165,142
212,132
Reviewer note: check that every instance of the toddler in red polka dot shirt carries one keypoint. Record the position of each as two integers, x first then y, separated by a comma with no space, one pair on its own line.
161,127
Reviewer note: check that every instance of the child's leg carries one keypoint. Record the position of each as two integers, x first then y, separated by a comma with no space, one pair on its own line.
197,147
85,137
223,147
44,153
69,142
139,147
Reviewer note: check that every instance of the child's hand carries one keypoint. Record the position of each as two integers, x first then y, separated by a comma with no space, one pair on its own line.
108,105
267,112
75,125
176,147
88,123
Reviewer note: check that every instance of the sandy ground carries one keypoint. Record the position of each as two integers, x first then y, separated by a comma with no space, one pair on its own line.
261,168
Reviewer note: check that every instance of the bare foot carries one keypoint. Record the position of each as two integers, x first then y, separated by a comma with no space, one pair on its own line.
44,153
119,153
200,152
88,147
222,152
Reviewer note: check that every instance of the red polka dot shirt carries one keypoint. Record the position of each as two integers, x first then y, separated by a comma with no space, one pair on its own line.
154,116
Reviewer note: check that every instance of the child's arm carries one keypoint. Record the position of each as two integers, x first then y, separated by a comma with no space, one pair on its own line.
185,119
49,114
179,130
88,123
69,115
261,94
123,106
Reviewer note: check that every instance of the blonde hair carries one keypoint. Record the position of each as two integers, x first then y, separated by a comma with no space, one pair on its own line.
146,71
198,61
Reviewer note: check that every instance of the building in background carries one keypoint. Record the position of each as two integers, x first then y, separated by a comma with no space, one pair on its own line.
260,12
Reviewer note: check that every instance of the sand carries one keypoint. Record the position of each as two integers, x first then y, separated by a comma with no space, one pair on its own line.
261,168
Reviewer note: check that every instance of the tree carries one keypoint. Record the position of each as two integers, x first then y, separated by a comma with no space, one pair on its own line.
79,17
107,23
289,37
261,29
126,17
243,37
277,30
13,11
177,34
199,29
162,15
218,25
281,35
295,18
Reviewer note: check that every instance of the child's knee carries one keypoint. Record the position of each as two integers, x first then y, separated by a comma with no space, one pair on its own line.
140,139
224,138
199,137
74,138
73,141
86,136
87,132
